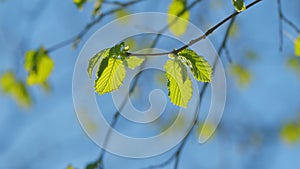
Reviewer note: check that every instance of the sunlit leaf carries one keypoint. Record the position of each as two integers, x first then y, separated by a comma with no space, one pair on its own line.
251,55
93,165
242,75
178,26
180,92
294,63
234,30
15,88
290,132
161,78
239,5
297,46
132,62
79,3
121,13
205,130
70,167
38,65
97,7
94,60
200,68
111,76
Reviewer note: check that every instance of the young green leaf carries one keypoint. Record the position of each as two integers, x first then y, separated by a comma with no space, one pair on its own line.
15,88
200,68
180,92
132,62
94,60
297,46
294,63
97,7
112,76
290,132
177,26
121,13
243,75
239,5
38,65
79,3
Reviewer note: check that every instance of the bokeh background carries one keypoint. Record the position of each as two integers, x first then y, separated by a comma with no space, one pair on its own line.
260,126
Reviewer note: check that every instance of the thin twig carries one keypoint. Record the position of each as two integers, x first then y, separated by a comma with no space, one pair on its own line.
89,26
117,113
192,42
283,18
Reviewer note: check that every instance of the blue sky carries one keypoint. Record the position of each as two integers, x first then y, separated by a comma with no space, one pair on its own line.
48,135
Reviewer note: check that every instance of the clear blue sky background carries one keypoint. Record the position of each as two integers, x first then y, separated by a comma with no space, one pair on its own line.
48,135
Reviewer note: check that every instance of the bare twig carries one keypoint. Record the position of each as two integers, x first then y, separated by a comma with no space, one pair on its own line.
192,42
283,18
77,37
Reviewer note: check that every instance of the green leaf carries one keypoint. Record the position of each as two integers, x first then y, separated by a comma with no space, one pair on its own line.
132,62
121,13
93,165
290,132
294,63
200,68
180,92
243,76
178,26
112,76
94,60
70,167
297,46
239,5
97,7
38,65
79,3
16,89
234,30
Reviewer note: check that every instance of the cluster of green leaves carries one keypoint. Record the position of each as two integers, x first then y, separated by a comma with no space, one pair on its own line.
178,27
243,76
239,5
290,132
297,46
97,5
39,66
111,71
15,88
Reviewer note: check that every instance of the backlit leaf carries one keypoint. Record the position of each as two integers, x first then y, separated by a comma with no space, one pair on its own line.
294,63
121,13
297,46
79,3
15,88
290,132
206,130
200,68
94,60
38,65
112,76
239,5
242,75
178,26
180,92
132,62
97,7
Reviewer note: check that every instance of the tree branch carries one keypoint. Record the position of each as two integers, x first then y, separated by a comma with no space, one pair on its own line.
283,18
77,37
192,42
